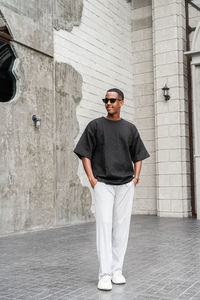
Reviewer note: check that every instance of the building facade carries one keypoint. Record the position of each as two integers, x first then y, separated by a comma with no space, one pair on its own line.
57,60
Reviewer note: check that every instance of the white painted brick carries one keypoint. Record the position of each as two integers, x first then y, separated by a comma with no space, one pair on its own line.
176,180
158,3
166,22
171,81
171,192
143,45
143,34
146,193
143,56
170,168
147,205
144,123
144,112
186,180
177,205
147,168
162,131
143,78
143,95
174,130
164,205
170,180
143,100
174,105
166,46
167,70
147,134
185,142
167,58
168,118
169,143
187,205
168,10
147,180
143,67
168,214
142,12
186,155
183,105
162,107
150,145
175,155
162,155
163,180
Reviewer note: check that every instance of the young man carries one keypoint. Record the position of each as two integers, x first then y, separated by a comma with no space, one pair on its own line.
108,148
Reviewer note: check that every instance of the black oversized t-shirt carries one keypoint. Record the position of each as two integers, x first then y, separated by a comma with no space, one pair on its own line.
112,147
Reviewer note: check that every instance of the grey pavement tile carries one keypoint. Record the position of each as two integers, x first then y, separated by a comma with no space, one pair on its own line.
162,262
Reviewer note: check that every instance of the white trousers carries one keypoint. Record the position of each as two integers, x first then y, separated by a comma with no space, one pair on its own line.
113,206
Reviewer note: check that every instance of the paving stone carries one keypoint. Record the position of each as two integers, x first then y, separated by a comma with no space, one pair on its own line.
162,262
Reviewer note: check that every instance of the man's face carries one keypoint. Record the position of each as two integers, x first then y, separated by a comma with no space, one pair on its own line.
113,108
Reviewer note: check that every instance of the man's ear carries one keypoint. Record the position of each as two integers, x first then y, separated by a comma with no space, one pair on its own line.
121,103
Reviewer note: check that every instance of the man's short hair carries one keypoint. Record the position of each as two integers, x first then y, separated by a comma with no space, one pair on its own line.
119,92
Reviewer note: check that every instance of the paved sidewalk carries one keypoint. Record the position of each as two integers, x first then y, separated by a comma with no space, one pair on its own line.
162,262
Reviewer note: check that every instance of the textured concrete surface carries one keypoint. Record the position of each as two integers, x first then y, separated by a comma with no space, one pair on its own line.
30,22
26,161
31,197
67,14
162,262
73,201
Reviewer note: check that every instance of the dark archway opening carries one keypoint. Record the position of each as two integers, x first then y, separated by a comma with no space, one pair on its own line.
7,79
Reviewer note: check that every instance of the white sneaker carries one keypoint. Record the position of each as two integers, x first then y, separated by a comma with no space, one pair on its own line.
105,283
118,278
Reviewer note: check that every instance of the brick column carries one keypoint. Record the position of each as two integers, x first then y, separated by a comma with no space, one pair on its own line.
143,100
171,117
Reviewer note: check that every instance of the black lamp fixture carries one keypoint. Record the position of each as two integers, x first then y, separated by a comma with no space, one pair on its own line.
166,92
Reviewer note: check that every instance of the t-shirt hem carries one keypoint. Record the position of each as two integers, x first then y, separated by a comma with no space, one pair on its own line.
114,182
141,158
81,155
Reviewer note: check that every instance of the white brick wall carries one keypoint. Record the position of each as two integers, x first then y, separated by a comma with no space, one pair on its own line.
171,119
100,50
145,200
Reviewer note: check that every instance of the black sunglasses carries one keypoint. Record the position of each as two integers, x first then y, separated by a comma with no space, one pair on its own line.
112,100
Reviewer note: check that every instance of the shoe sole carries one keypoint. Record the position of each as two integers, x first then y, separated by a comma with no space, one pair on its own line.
119,283
104,289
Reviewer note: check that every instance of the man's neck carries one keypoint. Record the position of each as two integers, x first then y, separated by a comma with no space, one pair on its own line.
113,117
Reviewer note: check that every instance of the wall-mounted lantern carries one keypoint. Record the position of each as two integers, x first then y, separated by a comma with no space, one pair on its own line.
36,120
166,92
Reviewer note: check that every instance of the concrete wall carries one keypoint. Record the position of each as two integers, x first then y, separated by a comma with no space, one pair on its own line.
26,161
38,188
143,100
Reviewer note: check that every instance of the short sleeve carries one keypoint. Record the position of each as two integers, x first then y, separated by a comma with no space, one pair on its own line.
137,150
87,142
